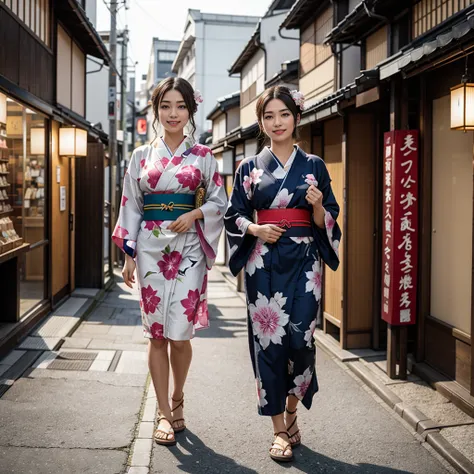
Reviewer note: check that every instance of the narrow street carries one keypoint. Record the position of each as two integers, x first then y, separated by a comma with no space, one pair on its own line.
86,409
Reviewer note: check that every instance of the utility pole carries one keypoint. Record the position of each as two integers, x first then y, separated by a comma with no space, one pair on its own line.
124,101
112,106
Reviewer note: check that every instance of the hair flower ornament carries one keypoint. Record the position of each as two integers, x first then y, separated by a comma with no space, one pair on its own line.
198,97
298,97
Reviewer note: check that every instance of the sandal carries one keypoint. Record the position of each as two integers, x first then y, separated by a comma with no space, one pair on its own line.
164,441
281,449
298,442
180,403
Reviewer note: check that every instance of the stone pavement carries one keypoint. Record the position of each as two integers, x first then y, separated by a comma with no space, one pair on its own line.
86,407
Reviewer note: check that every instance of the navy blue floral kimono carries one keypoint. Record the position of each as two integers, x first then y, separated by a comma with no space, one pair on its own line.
283,280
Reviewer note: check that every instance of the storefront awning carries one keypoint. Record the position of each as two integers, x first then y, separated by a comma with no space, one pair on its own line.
74,18
300,13
248,52
433,51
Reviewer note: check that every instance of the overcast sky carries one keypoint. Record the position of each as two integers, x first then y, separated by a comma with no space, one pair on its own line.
166,20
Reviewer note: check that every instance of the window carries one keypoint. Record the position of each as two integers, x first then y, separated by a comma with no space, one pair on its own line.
313,52
253,79
166,56
23,173
35,14
429,13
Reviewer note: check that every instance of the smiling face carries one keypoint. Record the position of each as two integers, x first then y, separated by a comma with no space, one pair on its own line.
278,121
173,113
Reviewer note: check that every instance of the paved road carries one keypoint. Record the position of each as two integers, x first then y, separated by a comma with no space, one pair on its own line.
85,421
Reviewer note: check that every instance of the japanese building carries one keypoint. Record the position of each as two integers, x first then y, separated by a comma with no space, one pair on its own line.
376,72
50,156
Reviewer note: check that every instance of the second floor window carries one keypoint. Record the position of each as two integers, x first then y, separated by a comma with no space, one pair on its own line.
429,13
313,51
35,14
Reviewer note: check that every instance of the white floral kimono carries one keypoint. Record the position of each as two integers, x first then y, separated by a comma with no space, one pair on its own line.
171,267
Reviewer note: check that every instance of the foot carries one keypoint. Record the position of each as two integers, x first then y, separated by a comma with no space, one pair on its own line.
291,422
178,414
164,433
281,447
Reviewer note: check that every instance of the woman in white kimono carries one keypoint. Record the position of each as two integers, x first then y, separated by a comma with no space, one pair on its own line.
170,221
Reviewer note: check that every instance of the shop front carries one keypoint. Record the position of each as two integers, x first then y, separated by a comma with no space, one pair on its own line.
24,240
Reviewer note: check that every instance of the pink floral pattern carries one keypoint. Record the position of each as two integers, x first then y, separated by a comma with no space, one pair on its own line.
269,319
302,383
154,176
308,335
150,225
190,177
124,200
204,285
314,280
120,232
200,150
254,179
142,163
169,266
217,178
177,160
261,393
311,180
191,304
255,260
202,314
149,299
282,199
156,331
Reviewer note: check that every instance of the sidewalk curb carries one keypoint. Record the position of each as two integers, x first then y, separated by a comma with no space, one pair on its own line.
424,426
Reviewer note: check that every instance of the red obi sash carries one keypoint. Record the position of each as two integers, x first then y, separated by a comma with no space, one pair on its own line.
286,218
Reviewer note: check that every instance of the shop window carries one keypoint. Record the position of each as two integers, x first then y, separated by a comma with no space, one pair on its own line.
23,195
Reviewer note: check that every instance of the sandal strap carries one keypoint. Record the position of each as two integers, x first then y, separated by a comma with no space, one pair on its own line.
294,434
282,432
292,424
180,402
291,412
179,419
162,417
280,447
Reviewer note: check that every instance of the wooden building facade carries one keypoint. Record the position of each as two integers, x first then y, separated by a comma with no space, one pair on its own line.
49,154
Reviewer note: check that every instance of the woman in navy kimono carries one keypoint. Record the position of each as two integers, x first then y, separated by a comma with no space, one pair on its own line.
281,225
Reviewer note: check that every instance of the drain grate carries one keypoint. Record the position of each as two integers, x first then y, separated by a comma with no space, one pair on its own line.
62,364
77,355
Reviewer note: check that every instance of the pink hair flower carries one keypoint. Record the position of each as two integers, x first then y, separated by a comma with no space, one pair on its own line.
198,97
298,97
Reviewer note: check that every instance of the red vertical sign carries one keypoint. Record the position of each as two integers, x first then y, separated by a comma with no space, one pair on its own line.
400,227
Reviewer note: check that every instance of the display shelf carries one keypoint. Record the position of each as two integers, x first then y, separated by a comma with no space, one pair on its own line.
14,252
5,213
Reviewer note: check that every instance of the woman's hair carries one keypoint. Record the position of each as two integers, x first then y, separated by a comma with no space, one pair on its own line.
282,93
186,90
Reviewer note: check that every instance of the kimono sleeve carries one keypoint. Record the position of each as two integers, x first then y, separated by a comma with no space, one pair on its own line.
131,210
213,210
237,219
328,239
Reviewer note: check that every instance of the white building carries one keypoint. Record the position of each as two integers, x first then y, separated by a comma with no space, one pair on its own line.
210,43
162,55
264,59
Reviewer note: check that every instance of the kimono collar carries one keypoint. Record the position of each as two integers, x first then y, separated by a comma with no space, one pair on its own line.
164,151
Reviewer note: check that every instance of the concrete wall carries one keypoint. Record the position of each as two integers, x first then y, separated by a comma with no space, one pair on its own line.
278,49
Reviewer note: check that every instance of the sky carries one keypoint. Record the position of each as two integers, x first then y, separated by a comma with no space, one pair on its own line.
166,19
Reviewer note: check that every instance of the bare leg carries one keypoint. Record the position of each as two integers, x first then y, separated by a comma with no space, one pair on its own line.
158,364
291,406
181,355
281,439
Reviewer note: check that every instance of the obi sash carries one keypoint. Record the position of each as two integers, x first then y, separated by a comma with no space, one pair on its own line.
166,207
297,222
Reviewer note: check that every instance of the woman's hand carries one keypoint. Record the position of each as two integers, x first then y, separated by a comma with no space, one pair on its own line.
184,222
269,233
128,271
315,197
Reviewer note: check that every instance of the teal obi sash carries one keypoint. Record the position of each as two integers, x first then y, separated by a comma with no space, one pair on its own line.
166,207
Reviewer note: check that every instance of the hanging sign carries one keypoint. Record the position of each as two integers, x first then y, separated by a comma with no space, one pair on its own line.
400,228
